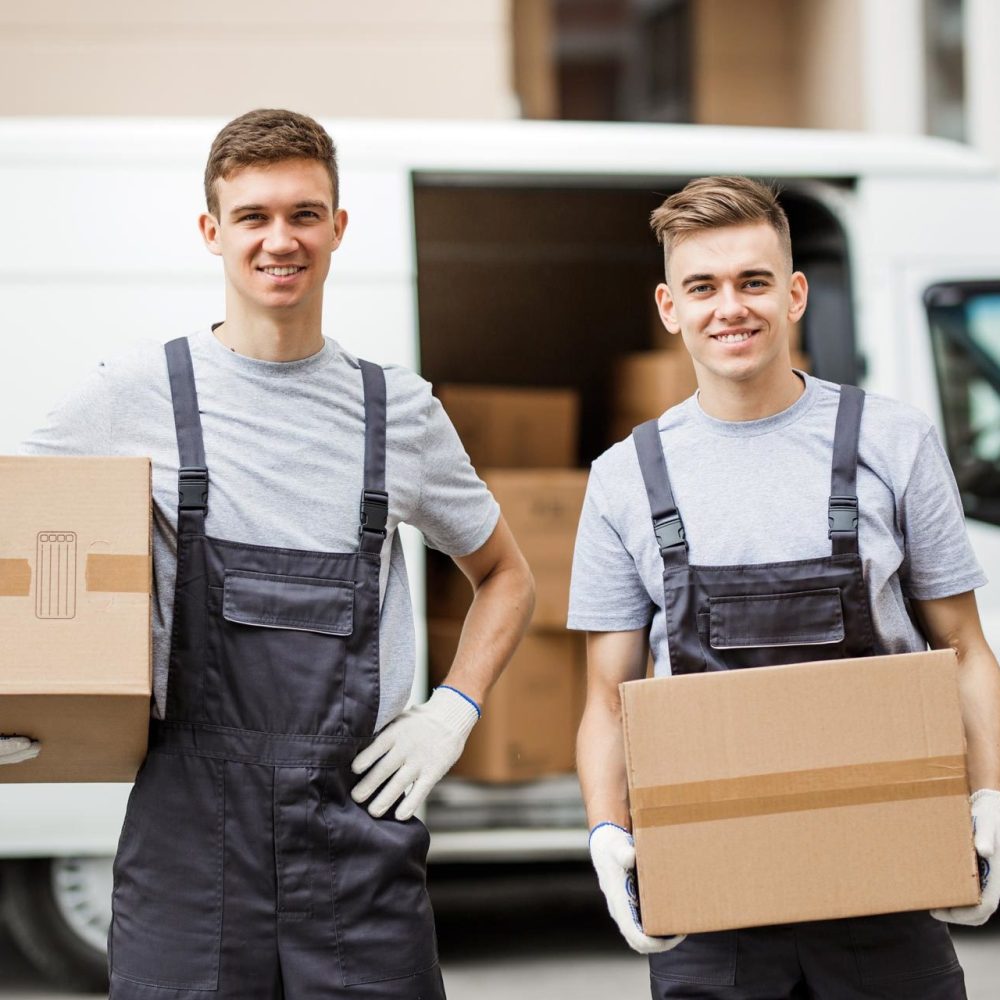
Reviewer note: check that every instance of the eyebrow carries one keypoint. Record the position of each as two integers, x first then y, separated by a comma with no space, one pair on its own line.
753,272
239,209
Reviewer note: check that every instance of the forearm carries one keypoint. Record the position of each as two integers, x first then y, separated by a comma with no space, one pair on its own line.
979,693
494,625
600,762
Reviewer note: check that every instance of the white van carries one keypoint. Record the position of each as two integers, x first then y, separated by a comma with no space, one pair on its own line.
511,253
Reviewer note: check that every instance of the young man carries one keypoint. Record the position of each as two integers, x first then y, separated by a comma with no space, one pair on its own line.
249,865
738,482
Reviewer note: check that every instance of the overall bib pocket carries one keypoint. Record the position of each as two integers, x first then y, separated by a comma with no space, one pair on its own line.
280,634
167,899
802,618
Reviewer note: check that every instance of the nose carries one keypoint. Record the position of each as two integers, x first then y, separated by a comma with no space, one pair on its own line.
279,239
729,304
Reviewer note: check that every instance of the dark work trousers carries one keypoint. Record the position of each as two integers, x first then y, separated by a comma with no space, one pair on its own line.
245,869
734,617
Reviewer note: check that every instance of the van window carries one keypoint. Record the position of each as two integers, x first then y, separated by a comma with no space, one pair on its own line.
964,320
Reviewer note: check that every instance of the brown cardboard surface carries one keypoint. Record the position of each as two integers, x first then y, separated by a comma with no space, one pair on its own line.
529,723
542,508
75,646
801,792
514,427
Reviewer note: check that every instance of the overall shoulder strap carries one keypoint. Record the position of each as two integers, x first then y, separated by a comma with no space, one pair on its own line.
667,522
374,498
843,510
192,484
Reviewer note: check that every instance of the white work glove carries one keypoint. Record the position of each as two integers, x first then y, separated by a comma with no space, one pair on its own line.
14,749
613,852
416,750
986,831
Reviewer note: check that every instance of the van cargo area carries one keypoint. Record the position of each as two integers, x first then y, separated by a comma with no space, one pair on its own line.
534,283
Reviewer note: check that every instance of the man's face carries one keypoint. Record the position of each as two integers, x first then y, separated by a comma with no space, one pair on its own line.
275,232
732,297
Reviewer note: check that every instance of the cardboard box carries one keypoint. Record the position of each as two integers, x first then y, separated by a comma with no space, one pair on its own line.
529,724
75,583
510,428
542,508
806,792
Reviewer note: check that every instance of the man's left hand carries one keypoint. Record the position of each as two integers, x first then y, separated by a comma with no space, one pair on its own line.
416,750
986,830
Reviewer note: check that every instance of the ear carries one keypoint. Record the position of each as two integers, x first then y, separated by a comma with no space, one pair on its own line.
339,225
798,296
209,227
667,308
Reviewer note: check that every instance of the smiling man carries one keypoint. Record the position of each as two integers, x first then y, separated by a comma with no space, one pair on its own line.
769,482
270,849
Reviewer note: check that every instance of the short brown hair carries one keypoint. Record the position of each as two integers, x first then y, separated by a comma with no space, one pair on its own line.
264,136
714,202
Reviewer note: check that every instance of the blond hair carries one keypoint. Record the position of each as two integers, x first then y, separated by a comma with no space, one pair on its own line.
266,136
714,202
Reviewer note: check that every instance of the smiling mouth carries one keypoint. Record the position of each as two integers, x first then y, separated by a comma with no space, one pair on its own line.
281,272
736,337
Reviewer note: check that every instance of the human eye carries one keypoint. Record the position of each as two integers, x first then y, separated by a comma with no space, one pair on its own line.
251,217
699,289
307,214
756,284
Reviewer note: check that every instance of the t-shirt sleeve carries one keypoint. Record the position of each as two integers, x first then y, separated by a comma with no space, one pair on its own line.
455,510
606,590
79,424
938,559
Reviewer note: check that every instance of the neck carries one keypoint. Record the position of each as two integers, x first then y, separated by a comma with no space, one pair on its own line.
767,393
271,337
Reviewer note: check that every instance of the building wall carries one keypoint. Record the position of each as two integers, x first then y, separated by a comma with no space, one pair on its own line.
743,62
344,58
829,64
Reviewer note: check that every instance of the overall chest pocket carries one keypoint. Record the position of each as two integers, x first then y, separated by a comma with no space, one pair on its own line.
802,618
299,603
279,647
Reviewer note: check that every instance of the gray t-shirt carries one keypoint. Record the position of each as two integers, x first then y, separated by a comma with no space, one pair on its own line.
757,491
284,443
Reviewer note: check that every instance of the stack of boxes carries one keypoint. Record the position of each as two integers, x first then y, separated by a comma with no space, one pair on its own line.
523,443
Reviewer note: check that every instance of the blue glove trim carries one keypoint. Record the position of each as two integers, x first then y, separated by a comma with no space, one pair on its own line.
462,694
608,822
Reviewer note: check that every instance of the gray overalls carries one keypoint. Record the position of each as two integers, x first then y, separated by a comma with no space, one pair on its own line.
245,869
731,617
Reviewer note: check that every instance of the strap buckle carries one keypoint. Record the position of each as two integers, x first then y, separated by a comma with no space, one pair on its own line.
669,533
843,515
374,511
192,487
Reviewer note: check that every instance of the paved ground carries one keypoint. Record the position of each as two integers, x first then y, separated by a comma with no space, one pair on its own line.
536,940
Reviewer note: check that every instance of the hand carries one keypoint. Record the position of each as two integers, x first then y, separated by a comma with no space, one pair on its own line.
613,853
416,750
14,749
986,832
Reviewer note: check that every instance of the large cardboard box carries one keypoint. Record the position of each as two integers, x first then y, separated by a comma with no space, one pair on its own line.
529,724
508,428
75,582
542,507
804,792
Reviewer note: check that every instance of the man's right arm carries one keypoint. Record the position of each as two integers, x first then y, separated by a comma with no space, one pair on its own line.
612,657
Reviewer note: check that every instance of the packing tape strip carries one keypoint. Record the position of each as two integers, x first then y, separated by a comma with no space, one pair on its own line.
117,574
797,791
15,578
